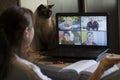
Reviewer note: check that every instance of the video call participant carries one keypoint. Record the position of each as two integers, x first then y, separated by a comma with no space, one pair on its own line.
66,25
92,25
66,38
89,39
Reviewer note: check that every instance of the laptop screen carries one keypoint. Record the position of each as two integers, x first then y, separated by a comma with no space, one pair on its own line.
86,29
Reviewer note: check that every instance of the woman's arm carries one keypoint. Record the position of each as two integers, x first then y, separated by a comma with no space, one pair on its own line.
97,74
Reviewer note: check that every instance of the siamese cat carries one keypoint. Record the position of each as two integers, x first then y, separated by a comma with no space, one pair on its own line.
45,31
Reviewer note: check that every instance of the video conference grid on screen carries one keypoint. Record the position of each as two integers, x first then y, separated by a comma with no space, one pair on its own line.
82,30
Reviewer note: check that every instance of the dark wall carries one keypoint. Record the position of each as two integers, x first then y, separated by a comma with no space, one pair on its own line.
7,3
119,20
111,7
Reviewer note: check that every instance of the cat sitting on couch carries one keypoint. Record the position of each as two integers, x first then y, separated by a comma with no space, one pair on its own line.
45,30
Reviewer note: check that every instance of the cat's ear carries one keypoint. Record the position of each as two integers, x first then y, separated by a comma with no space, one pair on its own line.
50,6
41,7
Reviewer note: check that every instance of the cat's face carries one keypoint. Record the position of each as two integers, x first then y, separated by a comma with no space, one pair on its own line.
45,11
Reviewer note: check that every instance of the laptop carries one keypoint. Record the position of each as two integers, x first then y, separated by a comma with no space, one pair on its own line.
81,35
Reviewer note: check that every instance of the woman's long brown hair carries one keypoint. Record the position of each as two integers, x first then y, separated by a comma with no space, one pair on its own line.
13,22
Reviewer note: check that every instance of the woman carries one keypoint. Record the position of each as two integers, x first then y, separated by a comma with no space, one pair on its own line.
89,39
16,34
66,38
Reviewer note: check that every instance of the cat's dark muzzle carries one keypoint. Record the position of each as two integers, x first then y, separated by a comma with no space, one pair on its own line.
45,14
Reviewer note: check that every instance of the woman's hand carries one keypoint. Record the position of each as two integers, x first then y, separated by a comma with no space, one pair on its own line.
109,61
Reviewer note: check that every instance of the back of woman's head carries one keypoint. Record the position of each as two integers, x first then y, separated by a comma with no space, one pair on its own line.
13,22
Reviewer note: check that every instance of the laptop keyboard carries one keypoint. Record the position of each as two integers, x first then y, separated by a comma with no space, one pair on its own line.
75,52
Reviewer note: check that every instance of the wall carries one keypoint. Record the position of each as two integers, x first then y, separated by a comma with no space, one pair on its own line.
7,3
32,4
119,21
64,6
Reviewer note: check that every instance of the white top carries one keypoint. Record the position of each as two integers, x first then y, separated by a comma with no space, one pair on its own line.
22,69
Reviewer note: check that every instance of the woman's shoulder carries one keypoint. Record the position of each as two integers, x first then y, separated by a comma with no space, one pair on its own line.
23,70
93,43
22,63
84,43
27,68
